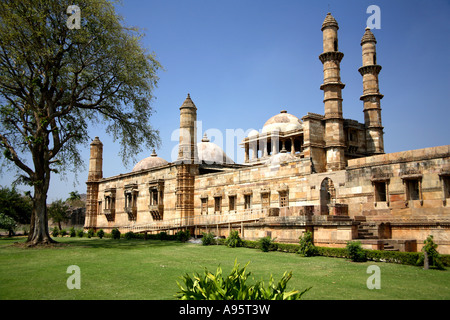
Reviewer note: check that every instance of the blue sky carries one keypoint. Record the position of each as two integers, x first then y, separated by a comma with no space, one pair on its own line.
242,61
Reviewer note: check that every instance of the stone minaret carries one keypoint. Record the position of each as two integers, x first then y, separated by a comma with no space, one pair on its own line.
187,149
187,159
332,88
94,176
371,94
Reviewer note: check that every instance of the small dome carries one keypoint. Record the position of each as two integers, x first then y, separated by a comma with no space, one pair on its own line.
151,162
212,153
282,122
253,133
329,22
368,37
278,158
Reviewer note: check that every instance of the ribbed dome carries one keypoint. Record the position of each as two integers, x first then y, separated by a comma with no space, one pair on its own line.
282,122
212,153
151,162
329,21
368,36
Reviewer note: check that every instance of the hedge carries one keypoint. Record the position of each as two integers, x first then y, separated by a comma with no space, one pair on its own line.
408,258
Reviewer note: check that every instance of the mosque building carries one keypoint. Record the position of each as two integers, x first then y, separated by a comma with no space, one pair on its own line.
320,173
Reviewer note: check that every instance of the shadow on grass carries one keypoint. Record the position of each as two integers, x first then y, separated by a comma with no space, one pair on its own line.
118,244
105,243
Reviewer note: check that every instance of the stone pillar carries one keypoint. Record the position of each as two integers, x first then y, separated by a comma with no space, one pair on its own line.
246,153
292,146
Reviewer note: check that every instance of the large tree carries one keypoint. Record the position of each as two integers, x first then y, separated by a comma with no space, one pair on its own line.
58,78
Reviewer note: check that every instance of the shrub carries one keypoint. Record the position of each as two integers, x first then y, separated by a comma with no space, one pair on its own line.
233,240
266,244
90,233
129,235
8,223
288,247
162,235
80,233
100,233
235,287
55,232
307,248
63,232
115,233
355,251
72,232
208,239
434,258
183,236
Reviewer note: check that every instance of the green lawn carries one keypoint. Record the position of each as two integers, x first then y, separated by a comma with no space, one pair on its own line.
138,269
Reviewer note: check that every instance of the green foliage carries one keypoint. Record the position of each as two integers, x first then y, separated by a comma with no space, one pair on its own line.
72,232
7,223
80,233
182,236
63,232
100,233
267,244
115,233
235,286
15,205
307,248
90,233
162,236
58,212
129,235
55,231
434,258
208,239
233,240
56,82
355,251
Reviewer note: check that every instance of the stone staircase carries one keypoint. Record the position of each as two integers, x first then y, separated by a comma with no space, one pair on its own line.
368,231
389,247
365,231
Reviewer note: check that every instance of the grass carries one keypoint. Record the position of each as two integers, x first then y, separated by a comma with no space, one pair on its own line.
138,269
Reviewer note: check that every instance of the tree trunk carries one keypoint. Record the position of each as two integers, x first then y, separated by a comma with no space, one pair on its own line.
39,222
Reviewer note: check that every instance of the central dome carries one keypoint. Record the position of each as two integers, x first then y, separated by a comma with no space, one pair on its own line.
151,162
212,153
282,122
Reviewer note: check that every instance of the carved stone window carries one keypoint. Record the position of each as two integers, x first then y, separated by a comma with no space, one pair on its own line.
204,205
265,199
232,203
110,204
445,178
381,189
130,207
156,199
284,199
413,187
218,204
247,201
